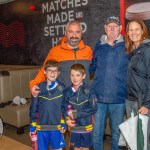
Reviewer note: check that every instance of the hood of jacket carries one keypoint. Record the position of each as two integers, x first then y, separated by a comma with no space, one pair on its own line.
146,41
104,41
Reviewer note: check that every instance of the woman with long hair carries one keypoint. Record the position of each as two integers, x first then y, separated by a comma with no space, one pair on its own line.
138,78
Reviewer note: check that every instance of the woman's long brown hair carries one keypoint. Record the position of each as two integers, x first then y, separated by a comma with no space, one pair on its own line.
128,42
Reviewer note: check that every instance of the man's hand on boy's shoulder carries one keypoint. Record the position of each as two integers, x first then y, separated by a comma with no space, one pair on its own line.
35,90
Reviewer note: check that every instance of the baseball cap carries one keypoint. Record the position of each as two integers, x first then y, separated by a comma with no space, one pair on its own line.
112,19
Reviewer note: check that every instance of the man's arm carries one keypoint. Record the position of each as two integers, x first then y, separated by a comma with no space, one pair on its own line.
93,64
40,76
38,79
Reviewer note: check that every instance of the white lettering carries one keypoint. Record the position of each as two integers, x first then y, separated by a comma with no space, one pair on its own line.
50,18
60,17
63,16
85,2
57,19
54,30
44,8
70,4
84,26
52,7
57,29
54,41
63,28
51,31
77,3
79,14
46,33
71,15
57,4
61,4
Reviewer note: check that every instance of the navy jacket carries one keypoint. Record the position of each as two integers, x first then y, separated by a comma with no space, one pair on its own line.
47,105
138,79
83,102
109,64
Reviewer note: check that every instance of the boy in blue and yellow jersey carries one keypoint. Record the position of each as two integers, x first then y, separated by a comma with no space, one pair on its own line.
83,103
48,125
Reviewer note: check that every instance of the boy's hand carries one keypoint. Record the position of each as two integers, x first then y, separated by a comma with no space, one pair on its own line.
30,133
71,123
32,128
63,128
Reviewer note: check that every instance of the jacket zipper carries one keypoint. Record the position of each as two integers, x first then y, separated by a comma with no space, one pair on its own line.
75,56
78,95
49,92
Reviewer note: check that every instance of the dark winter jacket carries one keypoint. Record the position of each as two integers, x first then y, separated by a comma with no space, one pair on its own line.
47,105
138,79
83,102
109,64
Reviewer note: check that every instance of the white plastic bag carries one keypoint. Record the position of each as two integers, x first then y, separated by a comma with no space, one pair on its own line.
129,131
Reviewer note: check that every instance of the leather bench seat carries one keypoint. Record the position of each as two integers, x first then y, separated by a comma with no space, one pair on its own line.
15,82
15,115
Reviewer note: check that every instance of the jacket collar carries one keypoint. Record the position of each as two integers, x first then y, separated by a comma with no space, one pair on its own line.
146,41
103,39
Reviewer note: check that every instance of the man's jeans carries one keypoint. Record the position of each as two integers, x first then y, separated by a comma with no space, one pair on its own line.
116,117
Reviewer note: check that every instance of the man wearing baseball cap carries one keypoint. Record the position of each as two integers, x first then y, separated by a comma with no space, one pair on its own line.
112,19
109,64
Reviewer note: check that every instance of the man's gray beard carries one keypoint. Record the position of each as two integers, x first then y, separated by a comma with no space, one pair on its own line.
73,43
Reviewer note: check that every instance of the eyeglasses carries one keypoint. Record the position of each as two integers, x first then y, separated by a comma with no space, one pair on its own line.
52,71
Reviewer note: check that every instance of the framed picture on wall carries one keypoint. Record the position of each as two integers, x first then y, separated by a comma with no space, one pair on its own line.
130,9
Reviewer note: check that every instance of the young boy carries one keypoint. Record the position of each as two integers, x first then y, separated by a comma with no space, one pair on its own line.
47,105
83,102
